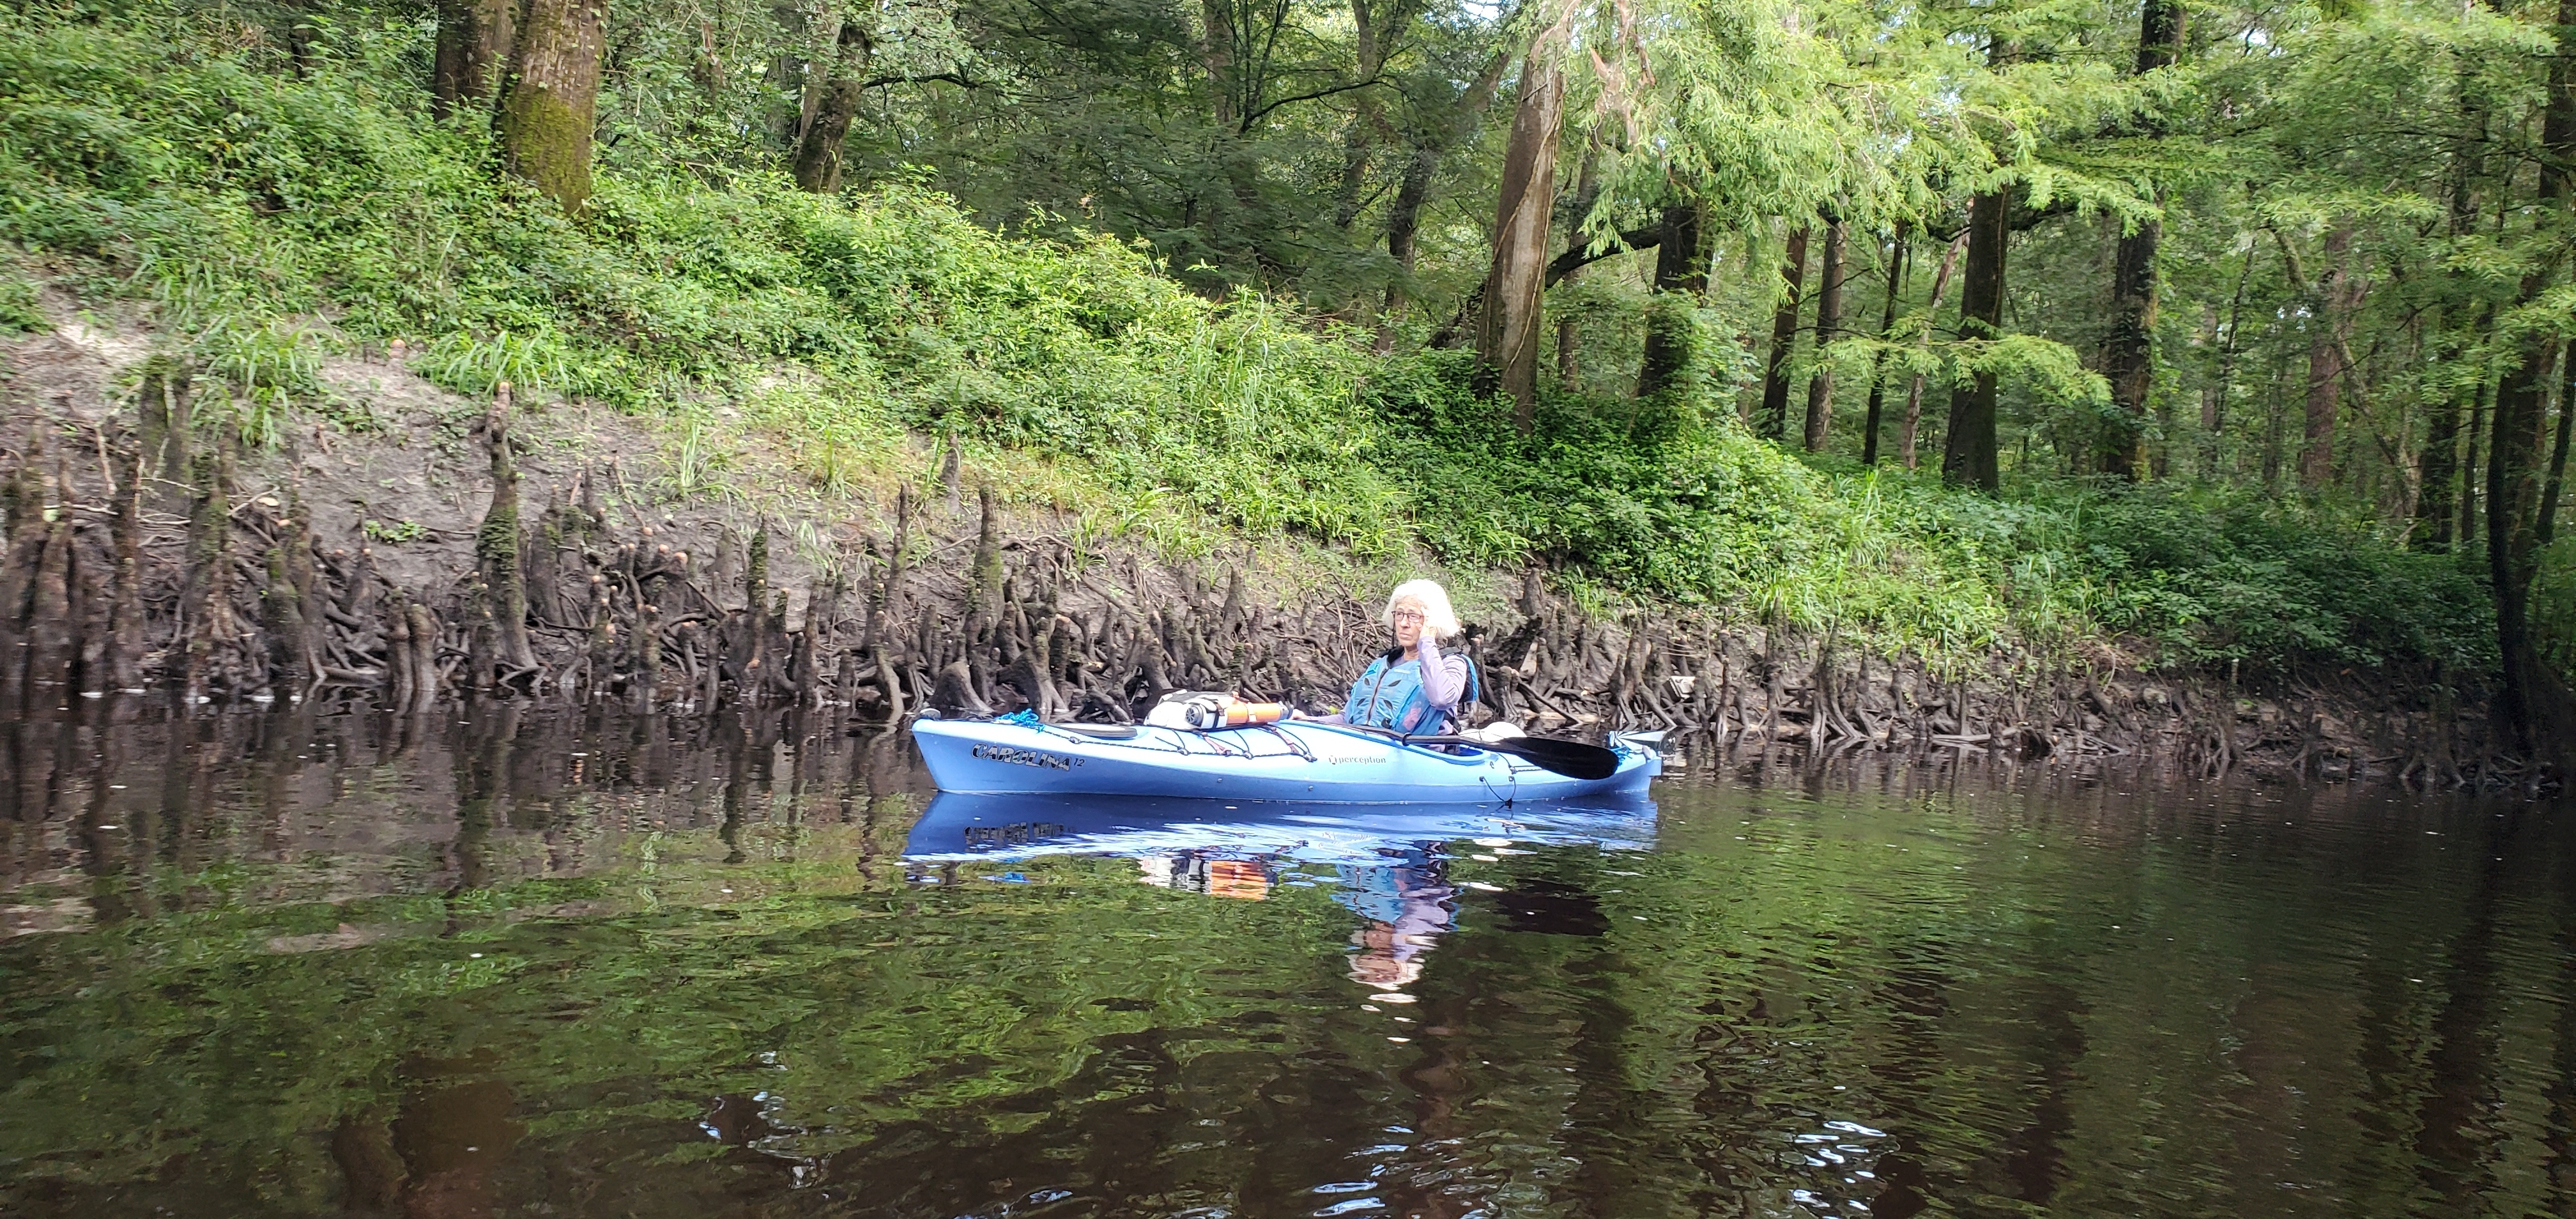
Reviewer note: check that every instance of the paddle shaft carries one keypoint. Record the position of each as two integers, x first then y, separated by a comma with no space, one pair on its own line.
1573,759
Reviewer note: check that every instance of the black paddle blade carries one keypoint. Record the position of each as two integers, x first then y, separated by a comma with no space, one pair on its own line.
1573,759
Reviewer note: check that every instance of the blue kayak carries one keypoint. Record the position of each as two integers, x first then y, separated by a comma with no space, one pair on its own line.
1297,760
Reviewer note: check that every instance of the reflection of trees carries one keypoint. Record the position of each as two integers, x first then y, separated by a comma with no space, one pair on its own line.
1596,1033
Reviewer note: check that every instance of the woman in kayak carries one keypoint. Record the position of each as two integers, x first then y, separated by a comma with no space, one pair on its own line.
1413,688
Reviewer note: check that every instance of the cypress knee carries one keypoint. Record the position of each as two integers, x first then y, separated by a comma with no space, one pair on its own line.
502,590
206,597
424,657
125,614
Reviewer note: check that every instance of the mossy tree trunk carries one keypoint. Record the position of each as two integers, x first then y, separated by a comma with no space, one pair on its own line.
553,100
818,149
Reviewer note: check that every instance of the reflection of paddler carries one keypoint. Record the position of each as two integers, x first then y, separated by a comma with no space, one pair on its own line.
1407,905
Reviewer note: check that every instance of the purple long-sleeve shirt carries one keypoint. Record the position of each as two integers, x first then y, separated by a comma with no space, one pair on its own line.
1444,678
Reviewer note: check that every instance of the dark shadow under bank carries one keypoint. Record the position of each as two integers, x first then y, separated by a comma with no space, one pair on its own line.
306,962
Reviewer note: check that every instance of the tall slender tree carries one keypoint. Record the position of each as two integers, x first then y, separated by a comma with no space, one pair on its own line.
1869,428
1969,442
2128,356
1774,416
1829,322
2334,303
1507,336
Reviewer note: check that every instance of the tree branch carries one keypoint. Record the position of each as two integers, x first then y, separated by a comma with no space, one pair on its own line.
1582,256
954,78
1256,116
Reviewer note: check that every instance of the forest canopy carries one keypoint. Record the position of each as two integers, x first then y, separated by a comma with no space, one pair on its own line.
2236,328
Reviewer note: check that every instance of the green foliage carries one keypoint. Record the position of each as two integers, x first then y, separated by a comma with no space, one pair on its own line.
396,532
264,368
2234,575
20,310
2553,598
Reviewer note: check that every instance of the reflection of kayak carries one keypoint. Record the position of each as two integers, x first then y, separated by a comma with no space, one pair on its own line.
959,825
1300,760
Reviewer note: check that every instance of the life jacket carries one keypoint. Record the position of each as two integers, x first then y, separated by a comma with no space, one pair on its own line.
1390,695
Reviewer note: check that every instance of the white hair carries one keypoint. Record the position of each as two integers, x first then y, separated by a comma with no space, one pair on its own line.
1437,617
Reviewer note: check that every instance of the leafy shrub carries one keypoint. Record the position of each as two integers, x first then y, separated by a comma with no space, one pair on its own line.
20,310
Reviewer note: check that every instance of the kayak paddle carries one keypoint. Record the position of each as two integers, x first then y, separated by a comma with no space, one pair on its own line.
1573,759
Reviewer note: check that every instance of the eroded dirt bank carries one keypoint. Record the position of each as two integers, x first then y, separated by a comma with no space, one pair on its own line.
456,548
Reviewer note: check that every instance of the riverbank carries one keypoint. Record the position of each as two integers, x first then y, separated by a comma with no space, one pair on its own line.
293,294
369,565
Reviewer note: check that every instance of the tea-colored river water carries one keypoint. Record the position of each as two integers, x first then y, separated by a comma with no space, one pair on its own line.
542,962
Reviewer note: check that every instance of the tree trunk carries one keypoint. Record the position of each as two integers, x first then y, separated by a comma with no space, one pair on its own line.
1680,276
1774,419
554,95
2534,701
2213,411
2128,356
1507,340
1366,121
2325,364
1404,216
2436,471
1829,321
818,152
1886,334
1403,224
1912,425
1968,456
2537,706
2548,530
475,38
1216,56
2472,463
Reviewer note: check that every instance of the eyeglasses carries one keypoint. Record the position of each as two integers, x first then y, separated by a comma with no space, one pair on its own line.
1405,615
